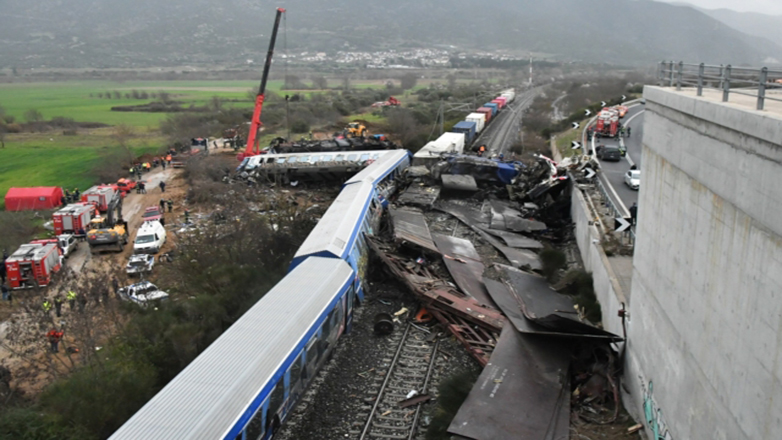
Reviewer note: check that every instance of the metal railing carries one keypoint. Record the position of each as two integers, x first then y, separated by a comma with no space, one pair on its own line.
614,210
754,82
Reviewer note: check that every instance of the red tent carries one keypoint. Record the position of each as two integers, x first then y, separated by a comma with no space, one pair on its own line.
33,199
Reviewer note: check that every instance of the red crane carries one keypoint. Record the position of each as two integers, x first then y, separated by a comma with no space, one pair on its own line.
252,148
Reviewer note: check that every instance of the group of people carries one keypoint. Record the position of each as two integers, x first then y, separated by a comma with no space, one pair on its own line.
163,203
142,167
70,197
74,300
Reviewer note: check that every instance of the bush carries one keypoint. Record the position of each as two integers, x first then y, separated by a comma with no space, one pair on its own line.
452,393
300,126
552,261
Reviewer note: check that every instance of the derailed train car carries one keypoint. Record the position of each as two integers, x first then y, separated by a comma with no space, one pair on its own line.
242,387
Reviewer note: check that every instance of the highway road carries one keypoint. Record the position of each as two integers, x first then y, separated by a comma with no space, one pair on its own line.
613,173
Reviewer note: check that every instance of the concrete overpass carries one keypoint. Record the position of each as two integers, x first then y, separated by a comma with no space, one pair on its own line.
705,320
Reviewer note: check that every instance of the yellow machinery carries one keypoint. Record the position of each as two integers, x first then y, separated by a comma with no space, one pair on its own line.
356,129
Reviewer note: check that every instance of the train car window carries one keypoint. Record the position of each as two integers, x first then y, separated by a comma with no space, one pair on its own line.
292,159
281,160
340,158
364,157
312,353
353,157
255,429
296,370
375,156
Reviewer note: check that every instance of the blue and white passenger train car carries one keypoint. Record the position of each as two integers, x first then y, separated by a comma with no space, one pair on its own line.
243,386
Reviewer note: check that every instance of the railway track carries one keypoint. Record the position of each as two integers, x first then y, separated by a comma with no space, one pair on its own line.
410,369
497,135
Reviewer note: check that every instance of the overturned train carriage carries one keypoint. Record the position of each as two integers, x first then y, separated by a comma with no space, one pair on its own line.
244,386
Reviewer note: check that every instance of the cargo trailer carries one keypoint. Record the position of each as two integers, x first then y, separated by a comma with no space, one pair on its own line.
487,112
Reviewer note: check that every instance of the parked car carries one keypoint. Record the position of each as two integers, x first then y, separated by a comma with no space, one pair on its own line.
142,293
153,213
68,244
139,264
150,238
633,179
609,153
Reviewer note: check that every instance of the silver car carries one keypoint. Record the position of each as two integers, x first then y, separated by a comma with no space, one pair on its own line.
140,264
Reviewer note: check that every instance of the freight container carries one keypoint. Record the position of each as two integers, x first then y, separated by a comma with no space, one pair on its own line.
100,195
467,128
500,102
493,106
487,112
448,143
508,97
32,265
479,119
509,92
72,218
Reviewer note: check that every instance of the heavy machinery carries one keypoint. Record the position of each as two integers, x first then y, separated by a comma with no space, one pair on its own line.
355,129
252,148
109,233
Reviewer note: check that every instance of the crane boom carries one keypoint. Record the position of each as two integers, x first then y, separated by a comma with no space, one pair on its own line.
252,148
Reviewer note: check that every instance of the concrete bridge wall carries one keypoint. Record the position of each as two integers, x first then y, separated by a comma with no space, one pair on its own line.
705,329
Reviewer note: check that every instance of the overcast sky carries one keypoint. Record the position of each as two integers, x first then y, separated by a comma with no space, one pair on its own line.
773,7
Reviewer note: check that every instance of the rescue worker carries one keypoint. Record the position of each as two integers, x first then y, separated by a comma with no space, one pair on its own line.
502,157
162,205
71,297
54,336
67,196
633,213
82,300
168,159
162,186
132,171
63,201
2,272
115,284
481,150
628,131
82,234
47,306
143,187
58,306
76,194
187,216
163,162
170,204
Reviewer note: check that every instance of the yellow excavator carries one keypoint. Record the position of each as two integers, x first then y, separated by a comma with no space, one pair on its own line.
109,233
356,129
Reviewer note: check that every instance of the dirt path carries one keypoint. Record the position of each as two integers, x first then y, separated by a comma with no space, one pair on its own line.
23,345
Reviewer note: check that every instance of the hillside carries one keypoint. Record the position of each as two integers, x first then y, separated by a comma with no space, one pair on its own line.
751,23
119,33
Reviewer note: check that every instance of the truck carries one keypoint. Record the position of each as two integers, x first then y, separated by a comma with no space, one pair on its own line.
100,195
66,243
607,123
467,128
479,119
32,265
109,233
73,217
125,186
447,143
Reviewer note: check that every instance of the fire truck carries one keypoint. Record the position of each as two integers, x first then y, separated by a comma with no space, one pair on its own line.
607,123
32,265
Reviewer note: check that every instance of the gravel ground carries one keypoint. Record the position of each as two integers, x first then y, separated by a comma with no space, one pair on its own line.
351,379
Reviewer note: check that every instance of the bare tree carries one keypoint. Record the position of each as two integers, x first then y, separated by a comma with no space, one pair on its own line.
33,115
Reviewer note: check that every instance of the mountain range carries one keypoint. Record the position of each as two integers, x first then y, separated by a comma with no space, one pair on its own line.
143,33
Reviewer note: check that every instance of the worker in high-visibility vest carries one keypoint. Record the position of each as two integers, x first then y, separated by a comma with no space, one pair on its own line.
71,297
47,306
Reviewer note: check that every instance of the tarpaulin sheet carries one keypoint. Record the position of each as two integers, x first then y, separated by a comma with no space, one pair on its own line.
410,226
523,393
467,273
548,309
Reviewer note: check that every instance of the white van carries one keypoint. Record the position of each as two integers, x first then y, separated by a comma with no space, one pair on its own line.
150,238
